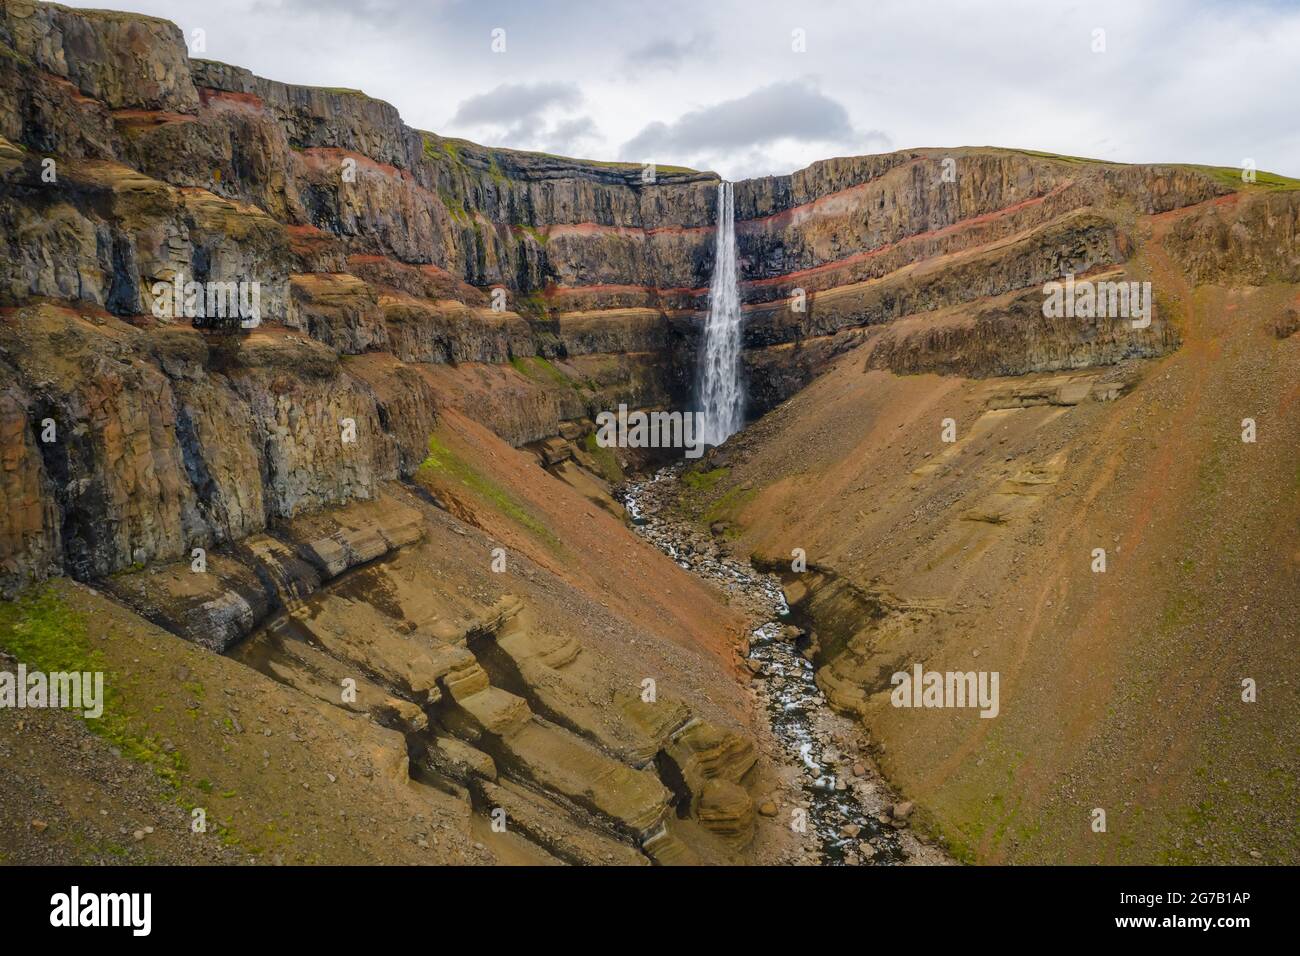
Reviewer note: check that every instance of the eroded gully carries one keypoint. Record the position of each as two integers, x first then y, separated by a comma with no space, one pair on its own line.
846,806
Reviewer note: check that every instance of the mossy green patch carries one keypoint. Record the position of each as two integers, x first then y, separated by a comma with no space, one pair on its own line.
445,463
538,237
704,480
622,166
540,370
455,208
116,16
729,505
1062,157
533,303
9,53
439,149
700,501
39,629
1227,175
42,631
606,460
1232,176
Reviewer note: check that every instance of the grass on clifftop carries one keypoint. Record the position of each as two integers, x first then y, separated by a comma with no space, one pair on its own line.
1231,176
1062,157
1227,175
340,90
450,146
436,148
622,167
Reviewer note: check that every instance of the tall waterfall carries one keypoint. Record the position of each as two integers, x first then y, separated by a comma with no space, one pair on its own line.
721,400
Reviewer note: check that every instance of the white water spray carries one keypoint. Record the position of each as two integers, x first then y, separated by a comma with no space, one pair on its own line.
721,400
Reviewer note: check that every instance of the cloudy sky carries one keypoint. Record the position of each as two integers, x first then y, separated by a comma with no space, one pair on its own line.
751,87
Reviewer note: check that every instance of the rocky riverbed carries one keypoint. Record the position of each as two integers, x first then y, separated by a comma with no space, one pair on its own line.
831,790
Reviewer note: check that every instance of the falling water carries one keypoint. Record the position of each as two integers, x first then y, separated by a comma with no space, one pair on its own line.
721,399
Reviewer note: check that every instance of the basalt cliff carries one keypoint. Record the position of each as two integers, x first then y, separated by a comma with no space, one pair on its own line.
357,576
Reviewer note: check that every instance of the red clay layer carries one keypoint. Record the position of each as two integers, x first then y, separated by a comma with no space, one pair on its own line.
320,157
593,228
154,117
555,290
960,226
828,267
828,198
211,97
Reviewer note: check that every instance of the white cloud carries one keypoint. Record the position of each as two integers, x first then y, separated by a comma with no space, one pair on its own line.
511,103
527,116
1181,80
668,51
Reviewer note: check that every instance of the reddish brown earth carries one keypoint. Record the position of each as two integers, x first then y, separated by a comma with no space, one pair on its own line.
1119,690
369,558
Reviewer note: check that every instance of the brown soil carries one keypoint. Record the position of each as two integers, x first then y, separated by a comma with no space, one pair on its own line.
1119,690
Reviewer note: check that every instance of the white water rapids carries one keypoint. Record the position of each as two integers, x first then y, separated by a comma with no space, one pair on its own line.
722,401
844,813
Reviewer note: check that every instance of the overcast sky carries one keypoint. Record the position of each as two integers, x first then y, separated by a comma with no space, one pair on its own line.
722,85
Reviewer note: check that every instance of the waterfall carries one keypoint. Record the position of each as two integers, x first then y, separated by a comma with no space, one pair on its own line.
721,399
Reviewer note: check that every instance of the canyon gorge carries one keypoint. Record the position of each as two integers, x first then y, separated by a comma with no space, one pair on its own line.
365,587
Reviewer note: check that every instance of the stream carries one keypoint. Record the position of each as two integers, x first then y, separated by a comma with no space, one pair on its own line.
846,812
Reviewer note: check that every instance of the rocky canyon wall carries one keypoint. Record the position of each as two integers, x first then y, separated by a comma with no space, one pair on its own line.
426,303
532,290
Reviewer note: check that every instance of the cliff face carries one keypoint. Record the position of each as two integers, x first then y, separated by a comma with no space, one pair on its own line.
364,235
220,485
1089,535
427,303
